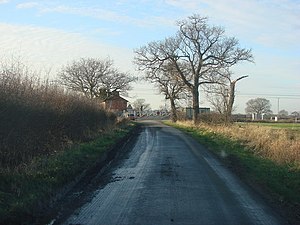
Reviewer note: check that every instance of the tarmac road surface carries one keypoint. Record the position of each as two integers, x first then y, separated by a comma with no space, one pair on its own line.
168,178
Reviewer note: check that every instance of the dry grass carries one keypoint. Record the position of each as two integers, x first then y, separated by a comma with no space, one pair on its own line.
279,145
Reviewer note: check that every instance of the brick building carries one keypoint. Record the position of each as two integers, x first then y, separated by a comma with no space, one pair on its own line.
115,103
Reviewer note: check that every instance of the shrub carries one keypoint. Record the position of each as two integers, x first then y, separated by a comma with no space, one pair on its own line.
40,118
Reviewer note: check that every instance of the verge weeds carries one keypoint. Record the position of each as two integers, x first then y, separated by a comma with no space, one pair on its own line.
273,174
23,194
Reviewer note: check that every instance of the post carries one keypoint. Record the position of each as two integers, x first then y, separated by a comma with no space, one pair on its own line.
277,107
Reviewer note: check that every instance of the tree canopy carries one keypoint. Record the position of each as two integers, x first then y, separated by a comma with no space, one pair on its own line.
140,105
258,106
198,52
95,78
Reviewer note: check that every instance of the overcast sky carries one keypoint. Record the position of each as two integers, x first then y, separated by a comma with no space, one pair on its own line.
49,34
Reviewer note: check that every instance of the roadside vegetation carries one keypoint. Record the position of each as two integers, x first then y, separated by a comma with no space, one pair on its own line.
38,118
266,158
25,194
279,145
48,138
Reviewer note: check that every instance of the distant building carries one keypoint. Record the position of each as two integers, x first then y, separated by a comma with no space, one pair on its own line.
130,113
115,103
130,110
189,111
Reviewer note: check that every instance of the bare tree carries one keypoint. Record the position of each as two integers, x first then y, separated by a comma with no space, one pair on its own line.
258,106
231,96
217,96
198,52
224,95
295,114
140,105
170,84
283,113
95,78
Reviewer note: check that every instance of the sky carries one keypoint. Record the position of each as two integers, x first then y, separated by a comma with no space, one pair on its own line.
49,34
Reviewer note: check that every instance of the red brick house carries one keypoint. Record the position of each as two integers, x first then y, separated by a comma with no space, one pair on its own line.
115,103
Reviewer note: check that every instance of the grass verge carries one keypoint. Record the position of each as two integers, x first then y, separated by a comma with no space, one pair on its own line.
24,192
280,183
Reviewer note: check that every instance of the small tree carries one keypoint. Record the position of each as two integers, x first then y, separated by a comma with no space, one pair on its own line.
169,83
95,78
224,95
258,106
140,105
283,113
295,114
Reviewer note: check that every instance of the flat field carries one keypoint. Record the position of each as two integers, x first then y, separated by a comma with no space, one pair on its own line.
290,126
288,131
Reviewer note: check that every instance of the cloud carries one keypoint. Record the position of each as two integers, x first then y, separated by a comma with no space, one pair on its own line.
27,5
274,23
268,22
4,1
98,12
44,47
187,5
107,31
50,7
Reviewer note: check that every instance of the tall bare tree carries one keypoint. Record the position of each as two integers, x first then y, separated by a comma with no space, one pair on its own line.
197,51
95,78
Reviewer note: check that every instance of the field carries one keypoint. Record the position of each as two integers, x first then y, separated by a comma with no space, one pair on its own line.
290,126
287,133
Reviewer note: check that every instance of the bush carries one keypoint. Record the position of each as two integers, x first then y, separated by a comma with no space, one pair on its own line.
40,118
212,118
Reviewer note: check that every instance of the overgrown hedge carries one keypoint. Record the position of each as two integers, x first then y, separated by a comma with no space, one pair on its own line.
37,118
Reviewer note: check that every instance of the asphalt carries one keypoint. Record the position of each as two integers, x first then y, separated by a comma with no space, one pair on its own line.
166,177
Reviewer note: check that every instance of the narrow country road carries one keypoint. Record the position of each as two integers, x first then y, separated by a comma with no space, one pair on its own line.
168,178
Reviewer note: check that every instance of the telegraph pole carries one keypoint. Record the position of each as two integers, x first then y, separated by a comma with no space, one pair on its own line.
278,107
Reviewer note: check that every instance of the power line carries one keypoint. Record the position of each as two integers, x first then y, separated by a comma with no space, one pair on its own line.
276,95
283,96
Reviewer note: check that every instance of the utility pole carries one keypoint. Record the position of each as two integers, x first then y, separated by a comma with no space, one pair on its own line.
278,107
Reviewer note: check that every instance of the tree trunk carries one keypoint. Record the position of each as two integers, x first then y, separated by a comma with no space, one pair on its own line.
230,102
173,110
231,98
196,105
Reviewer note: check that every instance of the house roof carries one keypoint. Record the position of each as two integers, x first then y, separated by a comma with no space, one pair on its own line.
114,98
